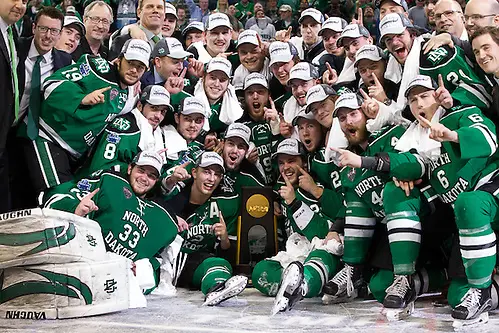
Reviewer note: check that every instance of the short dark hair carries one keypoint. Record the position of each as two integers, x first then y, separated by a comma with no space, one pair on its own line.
491,30
51,12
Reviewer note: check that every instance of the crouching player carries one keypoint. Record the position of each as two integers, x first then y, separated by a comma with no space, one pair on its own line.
307,228
461,160
198,264
132,225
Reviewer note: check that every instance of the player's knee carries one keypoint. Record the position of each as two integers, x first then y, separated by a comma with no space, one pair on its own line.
471,207
396,200
266,277
379,282
216,261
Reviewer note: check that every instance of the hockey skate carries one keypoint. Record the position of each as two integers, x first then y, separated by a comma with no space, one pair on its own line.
399,300
344,286
473,309
291,290
224,290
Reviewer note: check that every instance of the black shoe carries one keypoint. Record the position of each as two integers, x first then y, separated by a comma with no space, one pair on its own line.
401,293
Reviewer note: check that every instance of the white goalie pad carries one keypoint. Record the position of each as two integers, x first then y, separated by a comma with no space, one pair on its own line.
39,236
65,290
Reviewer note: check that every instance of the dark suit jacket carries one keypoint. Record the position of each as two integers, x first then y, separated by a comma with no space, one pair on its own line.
60,59
84,48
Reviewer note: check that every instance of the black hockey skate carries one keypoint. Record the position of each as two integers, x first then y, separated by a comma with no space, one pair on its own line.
292,288
344,286
400,297
473,309
224,290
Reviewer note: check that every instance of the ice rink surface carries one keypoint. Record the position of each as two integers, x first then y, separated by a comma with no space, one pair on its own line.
250,313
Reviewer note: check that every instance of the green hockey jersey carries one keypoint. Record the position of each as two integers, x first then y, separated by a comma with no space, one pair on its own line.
132,227
462,166
63,120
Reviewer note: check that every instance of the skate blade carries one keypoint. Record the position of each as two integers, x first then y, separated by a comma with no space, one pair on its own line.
398,314
288,285
460,325
229,292
329,299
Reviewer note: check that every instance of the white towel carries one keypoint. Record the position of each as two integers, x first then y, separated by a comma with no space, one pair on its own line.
417,137
176,143
348,72
149,139
230,111
204,56
298,43
241,72
168,257
290,110
336,139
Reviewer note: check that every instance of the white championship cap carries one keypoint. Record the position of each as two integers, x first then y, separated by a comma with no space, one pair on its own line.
209,158
289,147
195,25
397,2
281,52
255,79
303,71
192,105
217,20
394,24
76,22
347,100
150,158
352,31
219,64
421,81
155,95
170,9
313,13
137,49
170,47
304,115
337,24
248,36
318,93
240,131
369,52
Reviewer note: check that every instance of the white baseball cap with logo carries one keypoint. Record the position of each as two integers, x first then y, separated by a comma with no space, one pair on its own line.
302,115
394,24
248,37
170,9
318,93
149,158
209,158
421,81
76,22
397,2
219,64
313,13
352,31
192,105
238,130
170,47
289,147
216,20
303,71
350,101
255,79
369,52
155,95
195,25
336,24
137,49
281,52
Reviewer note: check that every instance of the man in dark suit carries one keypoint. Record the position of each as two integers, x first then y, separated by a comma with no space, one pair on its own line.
38,59
10,12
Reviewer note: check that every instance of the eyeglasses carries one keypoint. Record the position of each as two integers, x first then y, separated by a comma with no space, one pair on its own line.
447,13
97,20
53,31
477,17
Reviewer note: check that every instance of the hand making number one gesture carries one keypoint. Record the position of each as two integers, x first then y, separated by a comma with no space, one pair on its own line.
439,132
369,106
348,158
442,95
287,192
87,205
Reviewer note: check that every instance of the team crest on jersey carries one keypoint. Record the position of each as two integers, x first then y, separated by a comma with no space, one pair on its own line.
84,69
101,64
127,192
351,174
113,93
121,123
83,185
113,138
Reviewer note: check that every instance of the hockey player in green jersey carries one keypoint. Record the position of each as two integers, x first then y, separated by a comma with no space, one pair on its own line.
79,101
456,147
198,264
309,260
184,147
132,225
133,132
262,120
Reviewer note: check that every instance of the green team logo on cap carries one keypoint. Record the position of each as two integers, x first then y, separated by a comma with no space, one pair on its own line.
48,238
58,284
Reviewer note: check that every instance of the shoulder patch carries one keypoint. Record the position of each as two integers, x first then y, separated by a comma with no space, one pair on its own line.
101,65
121,124
113,138
84,69
436,57
83,185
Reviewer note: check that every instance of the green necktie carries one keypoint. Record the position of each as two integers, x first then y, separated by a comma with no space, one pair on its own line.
155,39
13,63
35,100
